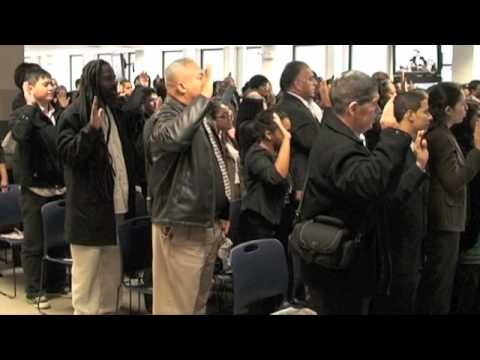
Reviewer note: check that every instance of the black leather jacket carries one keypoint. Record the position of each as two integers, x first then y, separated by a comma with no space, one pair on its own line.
181,177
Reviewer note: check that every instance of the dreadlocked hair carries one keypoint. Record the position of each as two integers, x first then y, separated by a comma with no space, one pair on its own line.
100,169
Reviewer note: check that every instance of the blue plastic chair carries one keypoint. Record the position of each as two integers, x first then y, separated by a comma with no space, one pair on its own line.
11,214
53,220
259,272
135,242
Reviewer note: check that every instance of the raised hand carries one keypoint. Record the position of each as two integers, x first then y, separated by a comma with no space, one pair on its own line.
207,86
96,115
421,150
278,122
476,135
388,116
143,79
63,100
27,93
324,94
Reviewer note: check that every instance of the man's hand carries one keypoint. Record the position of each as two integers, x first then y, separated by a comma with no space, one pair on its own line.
3,178
143,79
27,93
63,100
476,135
421,150
388,116
96,115
324,94
207,86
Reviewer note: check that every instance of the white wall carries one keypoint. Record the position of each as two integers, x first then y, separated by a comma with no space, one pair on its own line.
11,56
149,58
57,60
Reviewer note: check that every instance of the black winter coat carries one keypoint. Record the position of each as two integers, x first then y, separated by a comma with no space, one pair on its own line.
90,220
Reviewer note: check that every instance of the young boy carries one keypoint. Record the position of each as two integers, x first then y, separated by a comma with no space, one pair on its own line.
407,207
33,126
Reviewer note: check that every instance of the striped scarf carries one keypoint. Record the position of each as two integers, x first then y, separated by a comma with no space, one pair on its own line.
220,160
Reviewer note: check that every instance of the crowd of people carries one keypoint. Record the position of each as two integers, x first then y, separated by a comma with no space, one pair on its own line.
397,165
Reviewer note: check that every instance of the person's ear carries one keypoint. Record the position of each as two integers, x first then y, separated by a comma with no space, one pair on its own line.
181,89
352,108
448,110
410,115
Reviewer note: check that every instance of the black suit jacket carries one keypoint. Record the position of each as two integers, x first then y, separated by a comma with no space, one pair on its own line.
407,210
451,172
304,132
349,182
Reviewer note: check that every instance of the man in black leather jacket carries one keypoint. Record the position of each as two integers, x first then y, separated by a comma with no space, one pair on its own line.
190,192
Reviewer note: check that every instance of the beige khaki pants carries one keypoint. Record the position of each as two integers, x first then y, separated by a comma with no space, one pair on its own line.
183,264
96,275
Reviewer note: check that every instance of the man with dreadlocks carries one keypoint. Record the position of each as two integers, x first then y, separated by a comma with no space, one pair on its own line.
191,191
99,167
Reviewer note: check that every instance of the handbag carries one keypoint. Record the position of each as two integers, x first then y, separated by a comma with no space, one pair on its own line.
325,241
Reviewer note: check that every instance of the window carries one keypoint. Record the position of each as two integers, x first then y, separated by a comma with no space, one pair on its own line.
314,55
76,67
169,57
369,58
447,58
215,58
115,60
253,62
130,65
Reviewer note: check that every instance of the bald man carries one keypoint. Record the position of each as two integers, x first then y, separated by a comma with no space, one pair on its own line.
190,192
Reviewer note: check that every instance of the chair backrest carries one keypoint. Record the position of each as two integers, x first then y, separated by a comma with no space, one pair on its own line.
10,208
235,210
259,272
135,241
53,220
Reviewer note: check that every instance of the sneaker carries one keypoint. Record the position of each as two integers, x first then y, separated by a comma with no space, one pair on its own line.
40,301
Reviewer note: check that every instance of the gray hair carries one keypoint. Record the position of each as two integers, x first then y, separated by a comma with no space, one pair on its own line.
352,86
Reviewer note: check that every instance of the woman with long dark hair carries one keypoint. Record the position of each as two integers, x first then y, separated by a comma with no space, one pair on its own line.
267,164
466,298
451,172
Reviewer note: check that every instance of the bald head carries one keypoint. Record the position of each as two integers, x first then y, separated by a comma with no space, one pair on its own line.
184,80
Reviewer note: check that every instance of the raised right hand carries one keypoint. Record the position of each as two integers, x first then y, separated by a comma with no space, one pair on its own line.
96,115
278,122
388,116
29,98
421,150
207,86
476,135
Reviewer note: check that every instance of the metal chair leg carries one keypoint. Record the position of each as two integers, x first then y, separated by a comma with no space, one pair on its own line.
130,296
118,297
42,268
